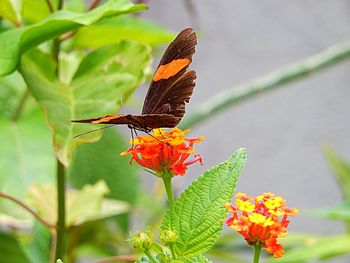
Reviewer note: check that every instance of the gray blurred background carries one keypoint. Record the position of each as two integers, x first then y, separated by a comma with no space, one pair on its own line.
283,130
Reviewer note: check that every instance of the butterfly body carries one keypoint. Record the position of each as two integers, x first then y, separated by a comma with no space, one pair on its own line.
171,88
142,122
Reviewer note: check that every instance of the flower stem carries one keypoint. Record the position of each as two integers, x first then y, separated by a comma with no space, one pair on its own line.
257,252
61,220
232,97
169,190
150,256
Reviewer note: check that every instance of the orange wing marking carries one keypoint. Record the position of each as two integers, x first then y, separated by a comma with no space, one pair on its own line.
171,69
105,119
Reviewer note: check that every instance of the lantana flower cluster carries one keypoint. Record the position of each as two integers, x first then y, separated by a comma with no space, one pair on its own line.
164,153
261,220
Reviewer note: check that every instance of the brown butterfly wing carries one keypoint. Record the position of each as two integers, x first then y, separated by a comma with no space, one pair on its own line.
169,92
165,101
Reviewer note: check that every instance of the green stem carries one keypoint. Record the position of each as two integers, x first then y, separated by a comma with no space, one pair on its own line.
55,49
150,256
61,220
172,251
257,252
234,96
169,190
19,108
61,182
49,5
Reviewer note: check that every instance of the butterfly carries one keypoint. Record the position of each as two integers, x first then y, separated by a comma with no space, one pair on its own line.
171,88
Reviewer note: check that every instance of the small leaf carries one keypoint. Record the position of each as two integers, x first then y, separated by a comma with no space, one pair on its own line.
13,43
102,160
26,157
82,206
198,214
113,30
104,79
341,170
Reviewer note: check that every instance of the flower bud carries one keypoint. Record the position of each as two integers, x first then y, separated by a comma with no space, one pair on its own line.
141,241
168,237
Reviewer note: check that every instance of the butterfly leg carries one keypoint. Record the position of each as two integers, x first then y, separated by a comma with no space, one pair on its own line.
149,133
160,131
132,130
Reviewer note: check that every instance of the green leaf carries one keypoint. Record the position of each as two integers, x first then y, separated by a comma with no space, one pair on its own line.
101,160
341,170
12,87
317,249
37,246
104,79
34,11
113,30
26,156
15,42
82,206
10,250
11,10
75,5
198,214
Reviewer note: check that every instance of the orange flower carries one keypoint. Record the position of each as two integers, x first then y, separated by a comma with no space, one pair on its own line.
262,220
164,152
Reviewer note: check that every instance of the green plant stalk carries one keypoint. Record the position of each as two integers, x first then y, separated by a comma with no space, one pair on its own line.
19,108
169,189
49,5
150,256
257,252
60,176
172,251
61,220
232,97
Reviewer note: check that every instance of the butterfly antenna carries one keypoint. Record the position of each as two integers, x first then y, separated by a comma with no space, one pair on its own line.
81,134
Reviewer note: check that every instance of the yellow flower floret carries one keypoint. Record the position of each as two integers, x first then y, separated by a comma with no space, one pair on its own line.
245,205
260,219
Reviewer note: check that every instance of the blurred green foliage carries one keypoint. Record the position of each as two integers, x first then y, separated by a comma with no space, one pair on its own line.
105,54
